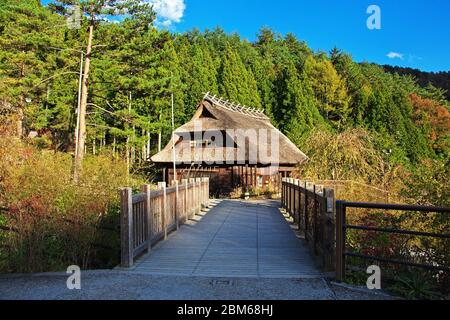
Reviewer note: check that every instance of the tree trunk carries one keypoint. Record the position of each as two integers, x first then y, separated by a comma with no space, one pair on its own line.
159,141
83,106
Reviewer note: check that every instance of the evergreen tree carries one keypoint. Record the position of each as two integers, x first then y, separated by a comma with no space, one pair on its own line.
236,83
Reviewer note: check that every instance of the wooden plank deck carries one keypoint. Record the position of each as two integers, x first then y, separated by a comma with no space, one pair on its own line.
233,239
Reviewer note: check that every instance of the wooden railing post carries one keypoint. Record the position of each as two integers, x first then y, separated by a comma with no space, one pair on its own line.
185,200
340,240
289,195
306,215
296,202
315,220
205,193
177,210
192,198
329,214
126,227
198,204
162,186
149,215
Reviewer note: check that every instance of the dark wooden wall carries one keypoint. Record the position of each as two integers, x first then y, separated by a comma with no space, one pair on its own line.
224,181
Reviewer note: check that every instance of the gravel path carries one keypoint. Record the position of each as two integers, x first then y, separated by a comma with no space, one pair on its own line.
122,285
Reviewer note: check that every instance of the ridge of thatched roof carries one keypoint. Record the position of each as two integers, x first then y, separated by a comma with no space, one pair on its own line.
231,106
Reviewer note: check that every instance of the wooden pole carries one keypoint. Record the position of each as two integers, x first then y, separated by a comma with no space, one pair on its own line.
200,195
149,214
126,227
177,210
162,186
330,224
185,200
192,200
340,240
306,214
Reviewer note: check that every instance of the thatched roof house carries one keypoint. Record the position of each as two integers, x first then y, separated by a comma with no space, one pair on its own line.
225,135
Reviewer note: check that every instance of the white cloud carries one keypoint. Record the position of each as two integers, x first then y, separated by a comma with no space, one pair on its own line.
168,11
395,55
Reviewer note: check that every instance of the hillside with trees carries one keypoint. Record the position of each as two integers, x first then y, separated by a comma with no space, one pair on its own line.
440,80
354,120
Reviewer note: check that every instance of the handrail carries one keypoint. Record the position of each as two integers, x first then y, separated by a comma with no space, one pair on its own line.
342,227
317,212
312,209
148,217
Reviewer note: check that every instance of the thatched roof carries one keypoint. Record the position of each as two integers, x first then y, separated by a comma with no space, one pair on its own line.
214,114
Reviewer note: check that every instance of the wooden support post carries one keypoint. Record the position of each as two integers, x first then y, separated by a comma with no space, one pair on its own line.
126,227
185,202
245,176
306,215
149,215
232,178
162,186
330,225
340,240
177,207
198,205
315,221
207,192
296,200
291,194
288,191
192,199
300,207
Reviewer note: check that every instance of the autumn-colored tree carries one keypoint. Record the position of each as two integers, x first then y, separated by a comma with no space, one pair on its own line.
435,118
329,89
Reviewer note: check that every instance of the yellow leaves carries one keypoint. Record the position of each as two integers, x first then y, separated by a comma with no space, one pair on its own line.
349,155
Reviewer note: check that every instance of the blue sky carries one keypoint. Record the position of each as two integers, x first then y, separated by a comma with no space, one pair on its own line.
414,33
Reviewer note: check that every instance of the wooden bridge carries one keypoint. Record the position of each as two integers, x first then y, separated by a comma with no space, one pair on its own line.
180,231
233,239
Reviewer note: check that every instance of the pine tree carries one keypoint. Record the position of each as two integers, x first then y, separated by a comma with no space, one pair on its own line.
236,83
296,111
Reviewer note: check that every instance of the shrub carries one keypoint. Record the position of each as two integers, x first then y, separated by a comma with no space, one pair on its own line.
50,221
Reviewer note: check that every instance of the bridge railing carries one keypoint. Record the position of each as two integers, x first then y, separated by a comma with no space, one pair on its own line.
324,223
343,251
148,217
312,208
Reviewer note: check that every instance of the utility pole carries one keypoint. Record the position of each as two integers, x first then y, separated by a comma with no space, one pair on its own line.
79,103
83,105
173,143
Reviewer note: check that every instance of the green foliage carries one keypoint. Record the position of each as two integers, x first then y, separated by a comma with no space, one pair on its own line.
136,68
354,121
415,285
236,83
428,183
